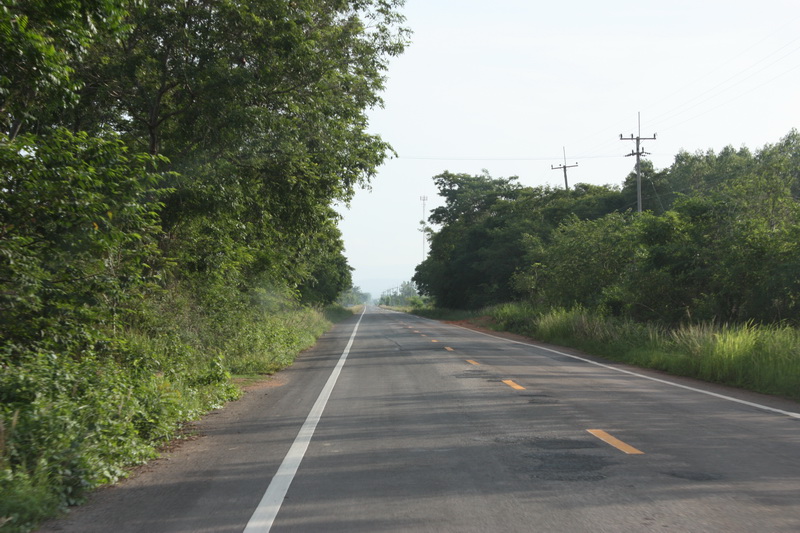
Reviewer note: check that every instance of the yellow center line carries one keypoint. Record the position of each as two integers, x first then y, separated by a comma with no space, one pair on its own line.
424,335
434,340
449,349
615,442
470,361
513,385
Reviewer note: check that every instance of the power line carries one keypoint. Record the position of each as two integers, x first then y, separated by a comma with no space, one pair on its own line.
509,158
733,99
713,95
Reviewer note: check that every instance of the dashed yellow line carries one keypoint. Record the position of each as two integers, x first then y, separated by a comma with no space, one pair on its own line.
449,349
434,340
615,442
513,385
470,361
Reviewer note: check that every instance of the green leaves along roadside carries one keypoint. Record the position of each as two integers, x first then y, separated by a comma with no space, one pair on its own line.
718,242
79,234
166,214
704,283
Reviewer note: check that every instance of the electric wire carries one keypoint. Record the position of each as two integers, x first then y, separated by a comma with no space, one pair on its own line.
608,148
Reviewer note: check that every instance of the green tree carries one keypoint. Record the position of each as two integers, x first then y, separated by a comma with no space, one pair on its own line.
460,271
481,253
401,296
330,275
41,42
78,231
582,263
263,131
725,250
354,296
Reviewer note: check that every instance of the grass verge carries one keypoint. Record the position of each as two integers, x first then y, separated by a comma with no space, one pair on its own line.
761,358
70,422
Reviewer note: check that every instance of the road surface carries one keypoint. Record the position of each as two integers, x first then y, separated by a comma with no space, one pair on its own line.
407,424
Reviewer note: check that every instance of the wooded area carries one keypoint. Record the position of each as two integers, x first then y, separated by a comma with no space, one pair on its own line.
168,174
719,241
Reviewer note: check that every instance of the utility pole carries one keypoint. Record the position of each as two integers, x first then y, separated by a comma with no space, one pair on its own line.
424,236
565,167
638,153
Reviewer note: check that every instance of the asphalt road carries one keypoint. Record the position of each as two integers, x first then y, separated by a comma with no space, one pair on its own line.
433,427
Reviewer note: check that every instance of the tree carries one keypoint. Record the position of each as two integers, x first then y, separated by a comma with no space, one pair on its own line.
657,189
403,296
354,296
480,254
78,234
263,131
330,275
41,42
582,262
718,241
458,271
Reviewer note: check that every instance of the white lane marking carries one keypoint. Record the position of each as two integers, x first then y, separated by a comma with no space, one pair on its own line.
270,504
657,380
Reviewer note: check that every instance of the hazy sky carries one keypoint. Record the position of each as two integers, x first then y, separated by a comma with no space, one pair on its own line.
504,85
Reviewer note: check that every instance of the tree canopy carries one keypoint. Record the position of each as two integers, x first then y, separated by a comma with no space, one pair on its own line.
718,241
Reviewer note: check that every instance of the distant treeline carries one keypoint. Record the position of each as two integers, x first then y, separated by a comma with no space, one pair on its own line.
404,295
719,240
167,176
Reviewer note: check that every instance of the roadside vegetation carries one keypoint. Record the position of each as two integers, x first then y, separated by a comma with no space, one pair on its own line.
166,215
404,296
762,358
703,283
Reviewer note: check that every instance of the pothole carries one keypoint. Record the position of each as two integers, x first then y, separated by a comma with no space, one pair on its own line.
566,466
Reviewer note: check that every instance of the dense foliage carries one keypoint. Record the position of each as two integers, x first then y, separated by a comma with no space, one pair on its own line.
354,296
718,241
165,213
404,295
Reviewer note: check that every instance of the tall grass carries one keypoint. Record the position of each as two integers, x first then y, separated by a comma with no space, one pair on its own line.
269,342
438,313
72,422
763,358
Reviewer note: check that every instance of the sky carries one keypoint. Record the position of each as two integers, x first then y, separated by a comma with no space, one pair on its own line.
509,86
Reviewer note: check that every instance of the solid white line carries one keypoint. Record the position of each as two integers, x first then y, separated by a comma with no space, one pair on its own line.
657,380
267,510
